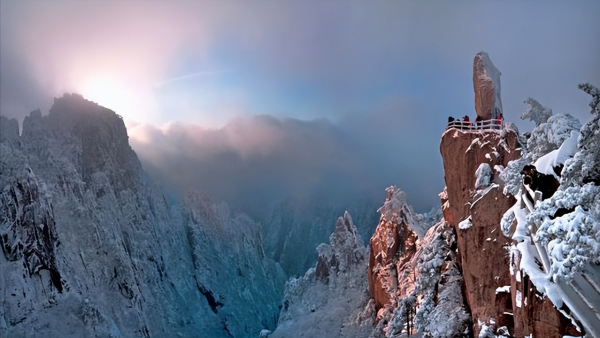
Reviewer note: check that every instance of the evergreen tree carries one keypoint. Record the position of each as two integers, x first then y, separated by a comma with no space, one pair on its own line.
536,112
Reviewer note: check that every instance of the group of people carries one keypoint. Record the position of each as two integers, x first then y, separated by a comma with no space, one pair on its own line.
465,123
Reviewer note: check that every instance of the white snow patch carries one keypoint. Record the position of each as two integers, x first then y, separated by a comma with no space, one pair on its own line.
483,176
546,163
568,148
518,298
483,193
264,333
466,224
522,231
503,289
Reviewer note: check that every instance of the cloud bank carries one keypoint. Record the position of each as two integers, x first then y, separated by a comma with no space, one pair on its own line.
325,95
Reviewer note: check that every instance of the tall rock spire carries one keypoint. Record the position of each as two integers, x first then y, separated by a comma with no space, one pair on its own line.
486,84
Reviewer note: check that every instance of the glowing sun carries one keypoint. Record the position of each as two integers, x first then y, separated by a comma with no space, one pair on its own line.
111,94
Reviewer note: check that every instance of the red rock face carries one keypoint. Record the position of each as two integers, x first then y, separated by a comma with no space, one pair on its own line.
485,89
482,248
392,245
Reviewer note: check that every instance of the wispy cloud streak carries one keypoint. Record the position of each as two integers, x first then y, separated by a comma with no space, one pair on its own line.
190,76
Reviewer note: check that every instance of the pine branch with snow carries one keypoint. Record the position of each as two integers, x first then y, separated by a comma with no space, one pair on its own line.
574,238
584,167
549,135
536,112
511,175
595,93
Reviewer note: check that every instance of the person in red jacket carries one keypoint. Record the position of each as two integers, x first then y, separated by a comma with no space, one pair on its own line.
466,122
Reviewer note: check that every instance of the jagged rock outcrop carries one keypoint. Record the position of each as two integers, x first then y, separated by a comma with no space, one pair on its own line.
331,299
90,247
415,283
297,226
392,245
345,250
484,252
486,84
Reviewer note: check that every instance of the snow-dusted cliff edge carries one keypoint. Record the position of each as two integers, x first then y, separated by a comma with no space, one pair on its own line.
90,248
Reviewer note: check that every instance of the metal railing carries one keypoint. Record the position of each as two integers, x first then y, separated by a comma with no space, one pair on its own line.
493,124
582,293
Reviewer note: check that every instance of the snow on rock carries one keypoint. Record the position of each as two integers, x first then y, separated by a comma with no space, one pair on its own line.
546,163
465,224
91,248
395,209
483,176
489,331
264,334
505,288
533,312
345,250
429,297
568,148
486,84
392,245
417,279
415,283
484,263
331,299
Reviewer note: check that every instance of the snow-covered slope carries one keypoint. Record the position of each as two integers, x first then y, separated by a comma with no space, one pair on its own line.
90,248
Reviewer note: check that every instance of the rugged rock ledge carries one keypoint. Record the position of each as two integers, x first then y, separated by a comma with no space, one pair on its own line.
484,252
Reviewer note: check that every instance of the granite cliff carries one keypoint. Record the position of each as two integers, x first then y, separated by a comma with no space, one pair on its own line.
90,247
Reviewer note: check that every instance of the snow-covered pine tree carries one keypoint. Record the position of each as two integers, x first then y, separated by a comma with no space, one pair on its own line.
574,238
536,112
585,165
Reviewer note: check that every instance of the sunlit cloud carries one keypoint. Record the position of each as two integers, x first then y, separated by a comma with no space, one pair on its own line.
191,77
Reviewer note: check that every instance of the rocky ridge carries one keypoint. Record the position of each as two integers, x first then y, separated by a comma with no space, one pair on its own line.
91,248
415,282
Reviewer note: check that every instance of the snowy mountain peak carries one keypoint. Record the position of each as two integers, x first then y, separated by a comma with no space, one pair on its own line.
346,248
